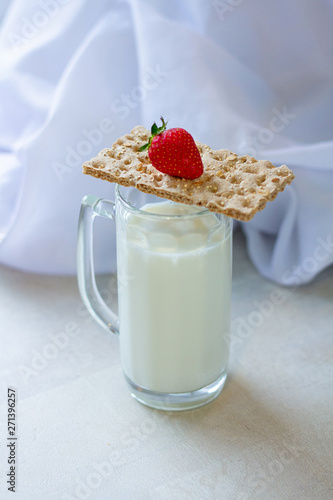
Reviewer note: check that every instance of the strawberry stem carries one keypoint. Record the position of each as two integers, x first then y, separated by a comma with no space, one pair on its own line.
155,130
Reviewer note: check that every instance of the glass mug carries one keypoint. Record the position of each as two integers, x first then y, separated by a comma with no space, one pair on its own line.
174,291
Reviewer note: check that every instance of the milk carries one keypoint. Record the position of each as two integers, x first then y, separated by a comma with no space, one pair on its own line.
174,278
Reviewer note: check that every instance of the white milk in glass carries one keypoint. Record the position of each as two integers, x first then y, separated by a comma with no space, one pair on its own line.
174,297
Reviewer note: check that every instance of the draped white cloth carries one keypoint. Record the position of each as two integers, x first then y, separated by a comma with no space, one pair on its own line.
255,77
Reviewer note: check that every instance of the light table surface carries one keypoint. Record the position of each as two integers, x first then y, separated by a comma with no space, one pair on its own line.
81,436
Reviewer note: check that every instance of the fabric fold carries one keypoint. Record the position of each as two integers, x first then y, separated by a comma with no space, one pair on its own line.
75,75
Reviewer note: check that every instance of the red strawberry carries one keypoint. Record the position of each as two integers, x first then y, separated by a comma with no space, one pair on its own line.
174,152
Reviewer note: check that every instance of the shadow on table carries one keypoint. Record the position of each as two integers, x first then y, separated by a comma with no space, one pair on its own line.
261,438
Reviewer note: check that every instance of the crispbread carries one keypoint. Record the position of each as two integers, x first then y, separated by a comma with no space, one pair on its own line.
237,186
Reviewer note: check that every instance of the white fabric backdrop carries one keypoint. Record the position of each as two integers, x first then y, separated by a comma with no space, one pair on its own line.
255,77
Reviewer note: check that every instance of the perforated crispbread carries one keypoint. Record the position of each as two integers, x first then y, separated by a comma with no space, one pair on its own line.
237,186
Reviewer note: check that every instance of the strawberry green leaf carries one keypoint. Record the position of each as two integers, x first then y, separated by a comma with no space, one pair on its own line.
144,147
154,129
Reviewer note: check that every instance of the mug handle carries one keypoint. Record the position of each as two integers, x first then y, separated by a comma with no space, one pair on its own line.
91,207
